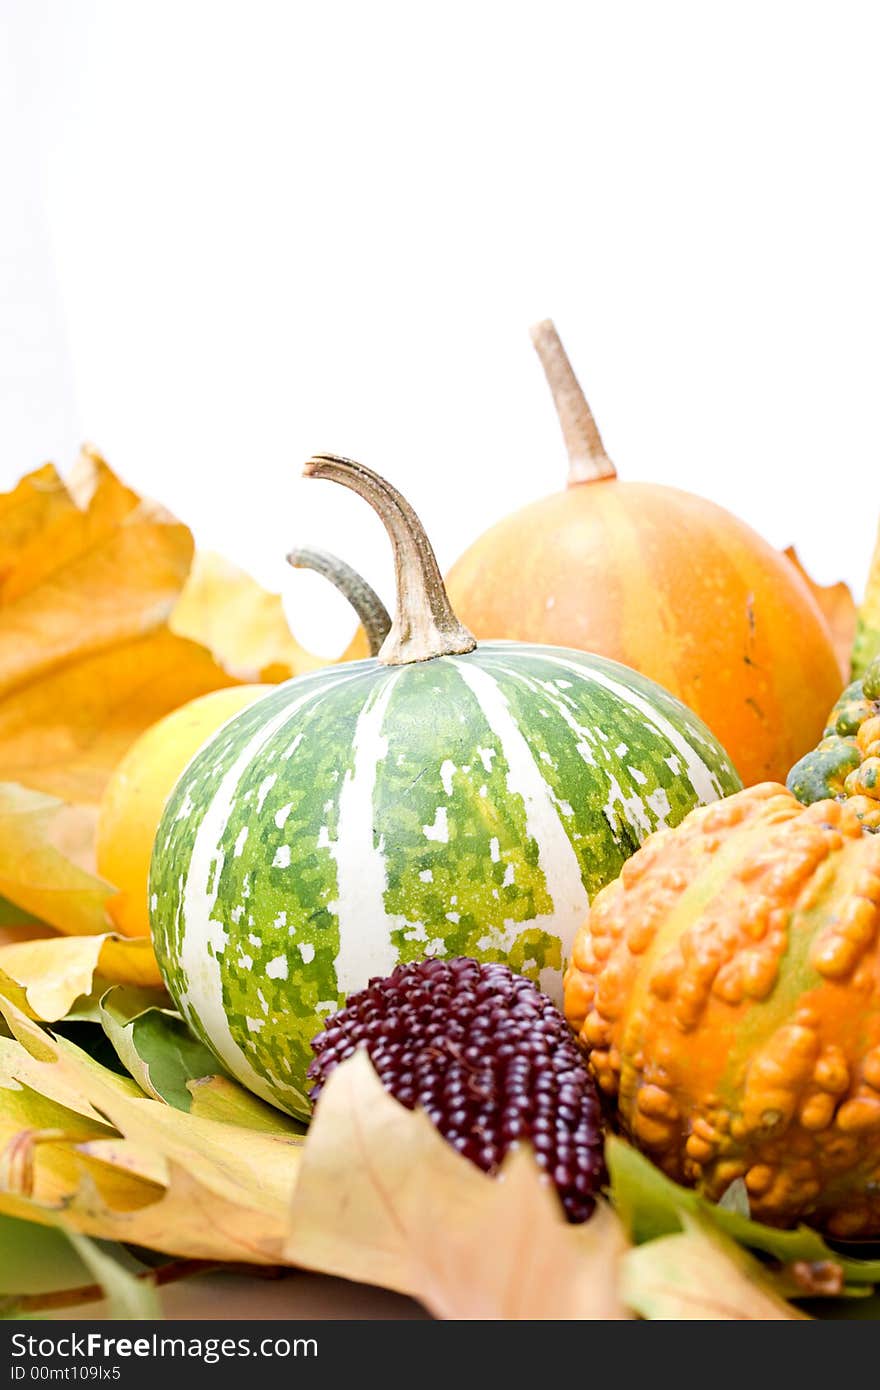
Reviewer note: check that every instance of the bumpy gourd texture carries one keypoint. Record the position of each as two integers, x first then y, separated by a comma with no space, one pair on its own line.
727,986
847,761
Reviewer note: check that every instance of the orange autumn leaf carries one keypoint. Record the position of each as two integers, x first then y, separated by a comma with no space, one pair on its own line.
28,511
65,733
87,660
837,607
95,647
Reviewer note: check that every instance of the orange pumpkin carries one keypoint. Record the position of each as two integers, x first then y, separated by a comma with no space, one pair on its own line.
662,581
727,986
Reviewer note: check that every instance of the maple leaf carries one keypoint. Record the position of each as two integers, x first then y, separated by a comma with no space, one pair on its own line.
383,1199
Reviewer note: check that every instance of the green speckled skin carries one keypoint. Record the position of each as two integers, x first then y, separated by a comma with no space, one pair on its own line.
823,771
363,815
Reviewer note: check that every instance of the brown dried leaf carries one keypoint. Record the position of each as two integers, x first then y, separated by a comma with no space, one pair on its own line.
837,607
383,1199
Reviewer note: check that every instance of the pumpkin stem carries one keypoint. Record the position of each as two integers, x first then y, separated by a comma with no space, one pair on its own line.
425,625
371,611
587,459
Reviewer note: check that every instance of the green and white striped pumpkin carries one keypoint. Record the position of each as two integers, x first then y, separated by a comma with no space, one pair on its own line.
468,803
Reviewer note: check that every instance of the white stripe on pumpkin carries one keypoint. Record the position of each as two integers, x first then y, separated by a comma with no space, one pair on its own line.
203,998
365,949
703,780
556,857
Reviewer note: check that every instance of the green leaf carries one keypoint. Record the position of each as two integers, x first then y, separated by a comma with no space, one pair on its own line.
700,1274
648,1203
13,916
36,1259
90,1038
154,1044
651,1205
158,1050
127,1296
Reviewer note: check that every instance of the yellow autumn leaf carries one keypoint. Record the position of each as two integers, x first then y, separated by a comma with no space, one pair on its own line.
219,1098
86,1150
45,847
185,1219
87,659
838,608
263,1166
383,1199
17,925
700,1274
226,610
130,961
53,972
39,1129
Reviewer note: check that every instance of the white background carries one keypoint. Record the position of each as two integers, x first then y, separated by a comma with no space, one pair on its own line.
231,234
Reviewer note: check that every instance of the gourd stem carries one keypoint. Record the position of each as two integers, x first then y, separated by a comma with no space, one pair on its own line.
587,459
425,625
374,616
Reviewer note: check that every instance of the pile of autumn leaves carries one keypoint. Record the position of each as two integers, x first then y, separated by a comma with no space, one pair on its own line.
115,1122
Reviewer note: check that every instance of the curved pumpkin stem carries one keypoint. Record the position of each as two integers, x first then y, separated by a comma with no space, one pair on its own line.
425,625
372,613
587,460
